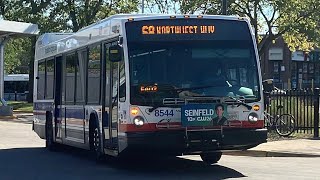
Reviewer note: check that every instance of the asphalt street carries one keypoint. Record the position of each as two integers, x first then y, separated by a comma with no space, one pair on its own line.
23,156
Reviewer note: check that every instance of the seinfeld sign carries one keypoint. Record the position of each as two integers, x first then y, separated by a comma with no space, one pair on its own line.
153,30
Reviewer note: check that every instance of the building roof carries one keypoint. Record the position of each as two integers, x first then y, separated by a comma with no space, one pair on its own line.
13,28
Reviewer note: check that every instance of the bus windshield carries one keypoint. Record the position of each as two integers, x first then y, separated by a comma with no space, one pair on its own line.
192,68
190,58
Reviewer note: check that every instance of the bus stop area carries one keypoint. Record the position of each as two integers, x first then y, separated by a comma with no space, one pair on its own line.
8,30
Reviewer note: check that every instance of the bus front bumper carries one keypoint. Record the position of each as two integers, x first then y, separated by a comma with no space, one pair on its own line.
177,142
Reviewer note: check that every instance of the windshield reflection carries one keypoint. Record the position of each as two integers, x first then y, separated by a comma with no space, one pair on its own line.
197,68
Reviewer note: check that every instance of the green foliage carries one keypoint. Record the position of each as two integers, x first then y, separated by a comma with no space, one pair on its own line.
202,6
16,56
299,22
21,106
75,14
53,16
296,21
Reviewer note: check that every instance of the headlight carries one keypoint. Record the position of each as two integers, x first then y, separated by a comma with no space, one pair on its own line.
138,121
253,117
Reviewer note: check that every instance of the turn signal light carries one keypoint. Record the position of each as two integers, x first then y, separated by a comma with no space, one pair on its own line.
256,107
134,111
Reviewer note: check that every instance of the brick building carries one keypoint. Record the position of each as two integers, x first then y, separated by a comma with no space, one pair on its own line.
290,70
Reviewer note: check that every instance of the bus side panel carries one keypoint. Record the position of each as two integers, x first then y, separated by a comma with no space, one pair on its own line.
39,129
123,119
39,112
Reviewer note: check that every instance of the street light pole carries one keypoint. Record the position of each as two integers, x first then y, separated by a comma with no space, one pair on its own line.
224,7
142,6
3,42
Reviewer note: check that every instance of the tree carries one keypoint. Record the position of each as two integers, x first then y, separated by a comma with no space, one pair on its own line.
296,21
16,56
162,6
83,13
55,16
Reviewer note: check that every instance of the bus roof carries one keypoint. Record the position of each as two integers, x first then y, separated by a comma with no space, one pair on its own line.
51,44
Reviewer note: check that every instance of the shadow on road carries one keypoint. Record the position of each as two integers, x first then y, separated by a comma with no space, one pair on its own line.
70,163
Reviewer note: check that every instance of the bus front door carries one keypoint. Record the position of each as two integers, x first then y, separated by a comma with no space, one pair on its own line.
58,110
110,115
113,106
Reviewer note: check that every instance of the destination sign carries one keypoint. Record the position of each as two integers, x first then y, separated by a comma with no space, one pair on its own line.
193,29
165,30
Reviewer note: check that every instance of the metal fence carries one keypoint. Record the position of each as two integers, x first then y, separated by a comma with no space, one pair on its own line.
303,104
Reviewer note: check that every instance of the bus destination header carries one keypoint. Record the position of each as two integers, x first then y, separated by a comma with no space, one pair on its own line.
154,30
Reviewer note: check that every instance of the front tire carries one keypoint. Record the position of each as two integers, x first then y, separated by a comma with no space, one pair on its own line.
211,158
285,125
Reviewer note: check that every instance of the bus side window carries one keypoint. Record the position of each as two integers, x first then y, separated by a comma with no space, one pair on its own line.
41,80
49,79
94,73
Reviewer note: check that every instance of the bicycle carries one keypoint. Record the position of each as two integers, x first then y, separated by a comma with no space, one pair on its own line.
284,123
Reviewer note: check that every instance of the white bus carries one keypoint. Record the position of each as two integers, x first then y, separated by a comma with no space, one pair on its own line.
169,85
16,87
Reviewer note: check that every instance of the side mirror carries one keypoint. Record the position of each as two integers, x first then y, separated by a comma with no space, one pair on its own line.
115,53
268,85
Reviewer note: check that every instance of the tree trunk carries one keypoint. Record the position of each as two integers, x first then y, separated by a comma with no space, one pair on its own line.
256,21
31,69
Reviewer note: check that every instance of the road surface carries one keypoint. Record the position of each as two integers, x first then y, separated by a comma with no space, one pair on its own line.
23,156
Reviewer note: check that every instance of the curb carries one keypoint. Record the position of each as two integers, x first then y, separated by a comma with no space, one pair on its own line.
18,111
8,117
257,153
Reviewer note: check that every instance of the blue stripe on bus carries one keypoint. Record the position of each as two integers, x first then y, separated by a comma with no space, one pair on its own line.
70,113
45,106
75,113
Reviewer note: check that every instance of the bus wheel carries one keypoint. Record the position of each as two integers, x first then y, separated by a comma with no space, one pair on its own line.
50,144
211,158
96,144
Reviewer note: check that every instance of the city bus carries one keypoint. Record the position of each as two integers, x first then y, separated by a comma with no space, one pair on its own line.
16,87
151,84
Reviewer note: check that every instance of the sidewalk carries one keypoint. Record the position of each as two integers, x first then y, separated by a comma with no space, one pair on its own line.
283,148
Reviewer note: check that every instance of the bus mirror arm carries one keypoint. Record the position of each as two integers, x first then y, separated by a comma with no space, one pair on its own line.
120,42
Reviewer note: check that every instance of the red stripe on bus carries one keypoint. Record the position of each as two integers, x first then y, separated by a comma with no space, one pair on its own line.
177,125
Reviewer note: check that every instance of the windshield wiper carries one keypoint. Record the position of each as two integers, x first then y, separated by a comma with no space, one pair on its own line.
197,87
179,90
241,102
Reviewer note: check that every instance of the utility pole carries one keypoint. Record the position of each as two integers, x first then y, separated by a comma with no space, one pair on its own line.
224,7
142,6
